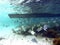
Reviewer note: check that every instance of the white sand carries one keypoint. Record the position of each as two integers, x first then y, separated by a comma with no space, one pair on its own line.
13,39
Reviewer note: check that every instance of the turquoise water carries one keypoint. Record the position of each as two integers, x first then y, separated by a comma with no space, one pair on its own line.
6,8
5,21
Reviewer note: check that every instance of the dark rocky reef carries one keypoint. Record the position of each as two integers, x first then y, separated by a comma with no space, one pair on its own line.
56,41
51,32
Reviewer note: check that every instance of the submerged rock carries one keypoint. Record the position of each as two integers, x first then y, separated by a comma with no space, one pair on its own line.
44,31
34,40
51,33
56,41
1,38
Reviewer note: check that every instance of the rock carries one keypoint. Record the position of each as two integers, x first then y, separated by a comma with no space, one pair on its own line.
1,38
56,41
51,33
39,29
32,32
45,27
25,33
34,40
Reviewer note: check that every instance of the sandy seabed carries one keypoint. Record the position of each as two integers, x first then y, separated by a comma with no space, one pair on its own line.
10,38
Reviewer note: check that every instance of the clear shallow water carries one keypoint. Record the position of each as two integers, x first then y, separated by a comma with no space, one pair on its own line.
30,8
5,9
9,23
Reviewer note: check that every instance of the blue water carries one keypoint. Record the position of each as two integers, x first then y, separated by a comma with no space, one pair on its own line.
6,23
5,9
